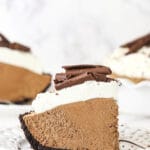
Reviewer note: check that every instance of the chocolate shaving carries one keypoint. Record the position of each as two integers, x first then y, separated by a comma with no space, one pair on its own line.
4,42
20,47
137,44
80,79
59,77
103,69
76,75
3,38
80,66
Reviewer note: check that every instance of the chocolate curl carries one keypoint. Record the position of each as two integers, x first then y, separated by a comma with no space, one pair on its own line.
79,69
4,42
137,44
18,46
79,79
80,73
60,77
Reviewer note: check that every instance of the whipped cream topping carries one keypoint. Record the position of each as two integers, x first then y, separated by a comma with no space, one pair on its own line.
136,65
81,92
21,59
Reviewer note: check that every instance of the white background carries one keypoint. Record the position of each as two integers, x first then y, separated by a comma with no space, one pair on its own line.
73,31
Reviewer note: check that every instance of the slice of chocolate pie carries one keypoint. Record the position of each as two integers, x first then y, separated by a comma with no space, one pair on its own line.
132,60
80,114
21,75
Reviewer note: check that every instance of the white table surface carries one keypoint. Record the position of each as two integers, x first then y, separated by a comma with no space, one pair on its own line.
9,114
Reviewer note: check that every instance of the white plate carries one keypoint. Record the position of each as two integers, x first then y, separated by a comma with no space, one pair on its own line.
134,98
9,114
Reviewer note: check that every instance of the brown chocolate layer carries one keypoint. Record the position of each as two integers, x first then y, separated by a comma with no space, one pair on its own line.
25,100
69,126
78,74
4,42
18,84
135,45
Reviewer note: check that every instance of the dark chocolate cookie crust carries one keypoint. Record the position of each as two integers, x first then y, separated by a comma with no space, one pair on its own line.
33,142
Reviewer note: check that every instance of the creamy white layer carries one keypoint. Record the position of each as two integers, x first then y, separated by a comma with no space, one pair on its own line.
81,92
20,59
133,65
